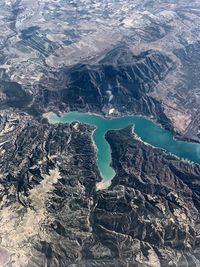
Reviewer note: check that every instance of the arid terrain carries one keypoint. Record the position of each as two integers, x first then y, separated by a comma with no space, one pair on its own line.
109,57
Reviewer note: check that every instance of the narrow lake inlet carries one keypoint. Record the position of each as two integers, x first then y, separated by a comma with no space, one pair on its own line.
148,131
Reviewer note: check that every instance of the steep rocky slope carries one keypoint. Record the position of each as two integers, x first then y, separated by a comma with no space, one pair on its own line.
150,214
52,214
48,175
120,80
137,57
111,57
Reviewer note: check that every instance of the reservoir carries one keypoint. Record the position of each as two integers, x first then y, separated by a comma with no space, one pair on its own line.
148,131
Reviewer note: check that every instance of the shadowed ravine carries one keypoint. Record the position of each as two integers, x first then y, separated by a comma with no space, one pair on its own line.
148,131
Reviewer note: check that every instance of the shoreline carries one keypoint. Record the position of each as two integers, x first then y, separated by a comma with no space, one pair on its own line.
106,182
175,135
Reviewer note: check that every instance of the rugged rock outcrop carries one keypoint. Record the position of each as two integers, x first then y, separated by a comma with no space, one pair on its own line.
120,80
109,57
150,214
52,214
48,176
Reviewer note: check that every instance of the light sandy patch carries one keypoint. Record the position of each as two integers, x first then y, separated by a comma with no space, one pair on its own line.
103,185
19,232
47,115
180,119
56,37
39,193
111,111
153,259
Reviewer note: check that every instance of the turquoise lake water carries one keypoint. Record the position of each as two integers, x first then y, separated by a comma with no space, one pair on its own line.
145,129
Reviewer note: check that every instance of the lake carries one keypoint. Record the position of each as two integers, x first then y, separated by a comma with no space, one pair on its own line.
148,131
